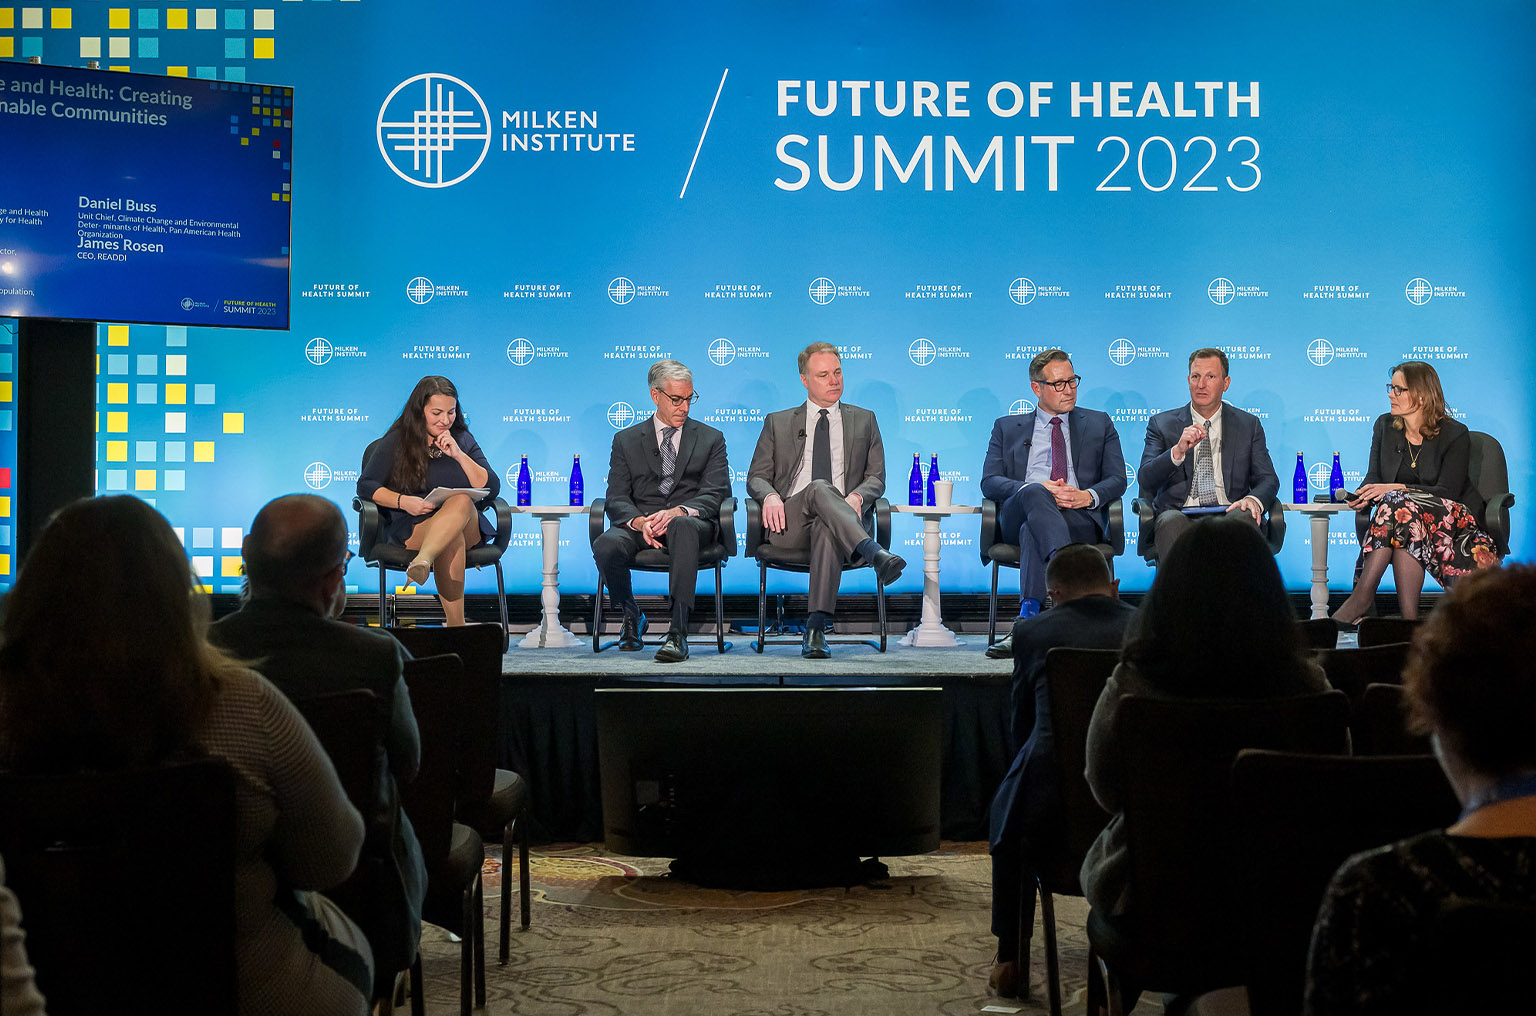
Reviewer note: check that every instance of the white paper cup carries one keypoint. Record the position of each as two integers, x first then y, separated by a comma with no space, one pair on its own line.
943,490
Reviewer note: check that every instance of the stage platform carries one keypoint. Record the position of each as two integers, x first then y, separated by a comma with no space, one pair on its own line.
549,730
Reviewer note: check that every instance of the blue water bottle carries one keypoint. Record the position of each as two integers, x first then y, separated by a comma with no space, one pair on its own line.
915,481
524,484
577,495
1336,482
1299,493
933,475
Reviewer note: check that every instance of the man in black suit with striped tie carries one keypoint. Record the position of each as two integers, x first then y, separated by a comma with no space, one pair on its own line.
666,478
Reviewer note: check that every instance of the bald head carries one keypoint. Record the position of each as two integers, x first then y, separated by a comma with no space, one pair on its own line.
294,545
1078,570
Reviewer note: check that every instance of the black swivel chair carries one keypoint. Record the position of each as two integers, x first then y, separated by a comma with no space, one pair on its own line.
997,551
1146,525
1488,474
768,556
650,559
389,557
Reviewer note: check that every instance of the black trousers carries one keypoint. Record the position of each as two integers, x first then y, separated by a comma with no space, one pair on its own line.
616,549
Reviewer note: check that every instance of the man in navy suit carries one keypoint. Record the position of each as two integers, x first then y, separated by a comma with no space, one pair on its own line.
1205,456
1027,819
1053,474
666,478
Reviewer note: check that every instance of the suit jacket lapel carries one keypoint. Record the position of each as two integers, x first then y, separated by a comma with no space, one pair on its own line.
1075,428
1392,453
685,443
1232,426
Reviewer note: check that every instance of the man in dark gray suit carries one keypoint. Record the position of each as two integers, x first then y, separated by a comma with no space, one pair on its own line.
805,459
1205,457
667,475
295,566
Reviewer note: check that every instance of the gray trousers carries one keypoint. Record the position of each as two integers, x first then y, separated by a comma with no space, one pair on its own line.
819,519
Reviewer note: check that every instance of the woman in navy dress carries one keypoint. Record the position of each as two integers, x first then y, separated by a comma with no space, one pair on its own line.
430,446
1423,508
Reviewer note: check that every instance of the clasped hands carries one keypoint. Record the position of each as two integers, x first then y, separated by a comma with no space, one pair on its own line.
773,510
653,527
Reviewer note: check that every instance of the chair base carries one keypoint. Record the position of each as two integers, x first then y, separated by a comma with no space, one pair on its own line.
721,645
762,618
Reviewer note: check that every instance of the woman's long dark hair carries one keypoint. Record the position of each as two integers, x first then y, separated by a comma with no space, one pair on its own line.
1423,382
1216,622
409,471
104,659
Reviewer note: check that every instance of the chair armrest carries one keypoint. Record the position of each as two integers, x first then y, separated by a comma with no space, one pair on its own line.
1495,520
503,511
988,528
1276,525
883,523
1117,526
368,523
596,520
754,529
727,523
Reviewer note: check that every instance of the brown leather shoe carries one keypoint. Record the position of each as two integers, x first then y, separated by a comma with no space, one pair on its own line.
1004,982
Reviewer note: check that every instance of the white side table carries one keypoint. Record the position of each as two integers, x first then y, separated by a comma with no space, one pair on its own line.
549,634
931,631
1319,513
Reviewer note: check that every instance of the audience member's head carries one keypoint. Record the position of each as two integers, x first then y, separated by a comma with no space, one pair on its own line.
297,550
104,661
1078,570
1471,678
1217,622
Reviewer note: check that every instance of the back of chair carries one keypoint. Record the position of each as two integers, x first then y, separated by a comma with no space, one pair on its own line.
126,883
1350,670
350,728
479,647
1378,723
1380,631
1301,816
1176,758
1074,680
1487,472
1318,633
437,685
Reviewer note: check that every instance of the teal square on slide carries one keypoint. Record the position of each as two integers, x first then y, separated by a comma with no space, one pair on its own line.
117,479
202,395
175,479
144,451
175,451
117,363
147,395
149,18
149,47
234,49
234,20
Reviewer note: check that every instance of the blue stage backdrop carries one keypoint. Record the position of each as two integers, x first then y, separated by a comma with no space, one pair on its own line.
539,199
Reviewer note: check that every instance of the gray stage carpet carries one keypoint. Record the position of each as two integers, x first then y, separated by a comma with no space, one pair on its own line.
899,664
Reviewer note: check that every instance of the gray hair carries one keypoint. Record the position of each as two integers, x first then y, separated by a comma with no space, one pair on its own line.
663,371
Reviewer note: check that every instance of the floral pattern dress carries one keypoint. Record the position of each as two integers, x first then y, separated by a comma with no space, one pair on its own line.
1441,534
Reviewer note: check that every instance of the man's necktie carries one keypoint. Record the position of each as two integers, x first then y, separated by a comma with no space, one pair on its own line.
1205,470
668,459
821,450
1058,451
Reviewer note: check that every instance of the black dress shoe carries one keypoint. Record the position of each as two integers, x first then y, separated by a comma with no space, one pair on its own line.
814,645
1002,649
888,566
674,649
630,635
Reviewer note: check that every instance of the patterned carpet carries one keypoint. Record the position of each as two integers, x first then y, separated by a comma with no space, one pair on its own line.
617,936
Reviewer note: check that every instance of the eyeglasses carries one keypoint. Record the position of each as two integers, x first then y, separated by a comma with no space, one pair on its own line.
678,400
347,560
1064,383
1393,389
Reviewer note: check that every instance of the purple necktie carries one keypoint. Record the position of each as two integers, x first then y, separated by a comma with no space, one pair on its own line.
1058,451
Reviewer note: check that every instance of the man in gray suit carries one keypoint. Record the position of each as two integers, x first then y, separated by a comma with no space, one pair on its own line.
805,459
1205,457
667,475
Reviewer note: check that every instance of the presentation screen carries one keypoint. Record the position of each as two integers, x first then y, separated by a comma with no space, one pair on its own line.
141,198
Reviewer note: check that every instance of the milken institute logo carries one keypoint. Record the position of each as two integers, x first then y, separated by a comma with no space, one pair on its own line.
433,130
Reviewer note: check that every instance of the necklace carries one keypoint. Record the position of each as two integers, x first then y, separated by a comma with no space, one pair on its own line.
1413,457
